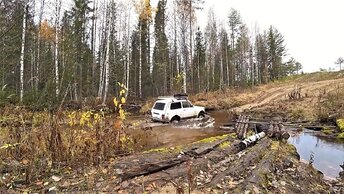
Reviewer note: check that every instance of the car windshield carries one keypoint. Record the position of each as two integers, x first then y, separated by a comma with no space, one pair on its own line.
159,106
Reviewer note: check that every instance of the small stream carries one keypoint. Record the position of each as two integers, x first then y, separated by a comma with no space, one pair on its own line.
328,155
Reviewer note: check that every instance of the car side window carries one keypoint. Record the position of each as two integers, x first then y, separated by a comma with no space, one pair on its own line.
175,105
186,104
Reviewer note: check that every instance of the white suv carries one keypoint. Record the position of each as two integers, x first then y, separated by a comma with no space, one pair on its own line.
173,109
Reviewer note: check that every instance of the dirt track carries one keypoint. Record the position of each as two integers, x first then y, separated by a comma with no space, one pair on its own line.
280,93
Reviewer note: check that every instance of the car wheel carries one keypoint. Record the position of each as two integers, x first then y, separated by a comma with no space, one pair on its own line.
201,115
175,120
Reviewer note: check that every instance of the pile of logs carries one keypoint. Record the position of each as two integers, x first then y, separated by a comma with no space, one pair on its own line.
272,130
241,126
277,131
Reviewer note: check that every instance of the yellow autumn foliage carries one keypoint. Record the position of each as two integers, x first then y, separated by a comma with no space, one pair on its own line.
47,32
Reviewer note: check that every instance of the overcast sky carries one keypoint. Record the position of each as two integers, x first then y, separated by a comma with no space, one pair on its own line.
313,29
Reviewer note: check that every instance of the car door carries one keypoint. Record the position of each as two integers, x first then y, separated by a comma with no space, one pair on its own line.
176,109
187,109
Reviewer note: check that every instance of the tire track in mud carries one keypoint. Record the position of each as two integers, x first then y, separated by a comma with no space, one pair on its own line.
280,93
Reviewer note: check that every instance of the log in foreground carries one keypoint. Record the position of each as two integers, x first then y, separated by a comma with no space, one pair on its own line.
150,163
251,140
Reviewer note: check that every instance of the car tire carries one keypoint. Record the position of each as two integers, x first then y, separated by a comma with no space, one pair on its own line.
175,119
201,115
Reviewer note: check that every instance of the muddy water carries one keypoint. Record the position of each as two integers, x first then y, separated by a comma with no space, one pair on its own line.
328,155
221,117
172,136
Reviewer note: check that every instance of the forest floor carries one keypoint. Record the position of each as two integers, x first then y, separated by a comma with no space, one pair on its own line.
208,160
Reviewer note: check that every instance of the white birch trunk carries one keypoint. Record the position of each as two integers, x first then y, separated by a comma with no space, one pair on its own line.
39,44
140,63
22,52
198,72
227,64
93,41
184,77
190,60
101,75
213,69
128,51
221,68
208,71
107,65
57,31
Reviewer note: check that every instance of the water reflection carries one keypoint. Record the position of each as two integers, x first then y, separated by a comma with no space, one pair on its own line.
328,155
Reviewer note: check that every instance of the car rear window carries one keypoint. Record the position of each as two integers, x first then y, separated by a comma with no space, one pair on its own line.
176,105
159,106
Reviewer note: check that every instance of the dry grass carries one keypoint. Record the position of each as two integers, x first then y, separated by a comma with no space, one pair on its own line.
331,105
226,98
39,142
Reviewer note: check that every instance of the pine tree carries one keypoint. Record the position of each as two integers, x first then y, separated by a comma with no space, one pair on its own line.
276,50
199,62
161,52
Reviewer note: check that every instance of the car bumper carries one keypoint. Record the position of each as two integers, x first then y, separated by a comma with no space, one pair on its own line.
159,119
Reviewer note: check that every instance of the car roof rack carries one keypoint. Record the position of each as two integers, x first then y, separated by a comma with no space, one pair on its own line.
181,96
165,97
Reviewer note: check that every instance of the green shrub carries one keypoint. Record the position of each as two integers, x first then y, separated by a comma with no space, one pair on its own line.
327,131
340,124
297,113
340,136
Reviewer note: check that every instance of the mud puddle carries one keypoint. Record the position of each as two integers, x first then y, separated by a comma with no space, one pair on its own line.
327,155
166,135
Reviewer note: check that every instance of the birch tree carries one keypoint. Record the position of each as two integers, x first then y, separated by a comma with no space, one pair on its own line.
93,41
107,52
57,31
160,54
22,52
38,62
183,13
211,39
144,10
107,55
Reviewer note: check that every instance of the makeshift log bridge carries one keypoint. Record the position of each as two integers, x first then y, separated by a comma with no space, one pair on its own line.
272,129
149,163
167,164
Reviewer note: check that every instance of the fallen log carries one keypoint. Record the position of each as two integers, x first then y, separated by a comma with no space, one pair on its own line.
149,168
207,148
277,131
244,132
149,164
241,165
238,124
270,131
251,140
284,134
243,125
